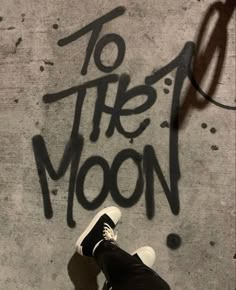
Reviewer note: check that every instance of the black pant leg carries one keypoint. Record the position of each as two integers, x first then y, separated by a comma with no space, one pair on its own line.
125,272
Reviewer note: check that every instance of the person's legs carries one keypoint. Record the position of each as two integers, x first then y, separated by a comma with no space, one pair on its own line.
126,272
123,271
145,255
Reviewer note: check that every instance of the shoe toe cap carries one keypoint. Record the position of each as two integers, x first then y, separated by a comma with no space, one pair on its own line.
147,255
114,213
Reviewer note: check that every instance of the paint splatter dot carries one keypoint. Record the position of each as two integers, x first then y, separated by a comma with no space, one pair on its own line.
168,82
173,241
41,68
212,243
37,123
55,26
165,124
131,141
1,18
166,91
204,125
54,191
48,62
22,17
19,40
16,101
214,148
213,130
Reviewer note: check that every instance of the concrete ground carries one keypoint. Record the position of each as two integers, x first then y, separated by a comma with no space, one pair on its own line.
37,252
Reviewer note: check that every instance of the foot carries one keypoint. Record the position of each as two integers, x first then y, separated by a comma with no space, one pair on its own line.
146,255
100,228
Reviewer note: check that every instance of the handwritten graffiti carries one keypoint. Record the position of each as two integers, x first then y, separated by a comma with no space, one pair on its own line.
147,163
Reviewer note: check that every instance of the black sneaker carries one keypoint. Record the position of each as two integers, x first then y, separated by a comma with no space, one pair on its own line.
100,228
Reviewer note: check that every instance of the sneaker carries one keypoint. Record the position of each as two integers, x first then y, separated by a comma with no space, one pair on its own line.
100,228
146,255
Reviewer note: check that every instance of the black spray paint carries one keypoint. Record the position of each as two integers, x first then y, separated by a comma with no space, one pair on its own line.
147,163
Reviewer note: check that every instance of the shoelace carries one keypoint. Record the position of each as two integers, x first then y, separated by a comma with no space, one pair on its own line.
108,233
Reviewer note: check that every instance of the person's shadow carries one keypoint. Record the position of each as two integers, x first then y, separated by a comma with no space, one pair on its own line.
83,272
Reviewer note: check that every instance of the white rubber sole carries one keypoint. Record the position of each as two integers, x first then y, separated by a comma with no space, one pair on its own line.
106,211
147,255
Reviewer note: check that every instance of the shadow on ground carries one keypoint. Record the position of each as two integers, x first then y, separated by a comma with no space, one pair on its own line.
215,43
83,272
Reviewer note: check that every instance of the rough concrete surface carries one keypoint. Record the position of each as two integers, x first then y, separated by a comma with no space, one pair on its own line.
38,252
